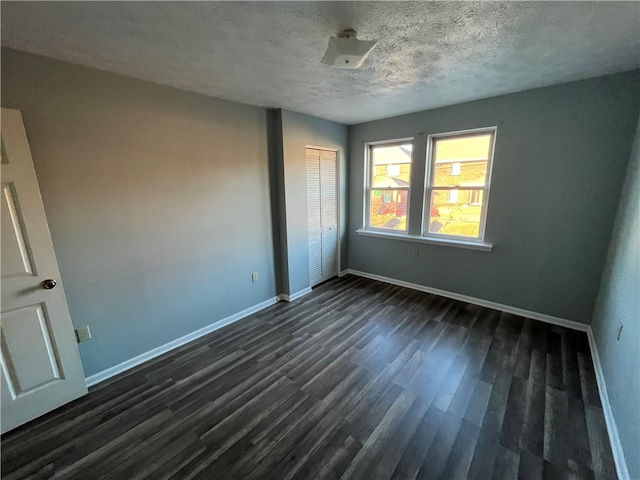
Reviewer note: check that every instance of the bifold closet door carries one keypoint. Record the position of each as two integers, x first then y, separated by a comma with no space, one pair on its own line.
329,184
322,209
314,215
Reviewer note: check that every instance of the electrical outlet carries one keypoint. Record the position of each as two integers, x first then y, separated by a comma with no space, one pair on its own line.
254,277
414,255
83,334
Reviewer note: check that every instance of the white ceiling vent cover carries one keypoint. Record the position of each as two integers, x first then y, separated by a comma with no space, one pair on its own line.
346,51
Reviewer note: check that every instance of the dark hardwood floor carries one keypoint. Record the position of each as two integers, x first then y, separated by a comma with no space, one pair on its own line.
358,380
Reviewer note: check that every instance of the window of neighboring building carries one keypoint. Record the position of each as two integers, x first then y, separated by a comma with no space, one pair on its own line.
475,197
456,198
393,170
387,187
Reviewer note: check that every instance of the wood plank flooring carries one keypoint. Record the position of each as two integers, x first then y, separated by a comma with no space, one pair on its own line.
358,380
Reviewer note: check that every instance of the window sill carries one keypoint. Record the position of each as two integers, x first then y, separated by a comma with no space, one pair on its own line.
445,242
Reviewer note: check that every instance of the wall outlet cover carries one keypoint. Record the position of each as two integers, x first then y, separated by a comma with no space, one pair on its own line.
83,334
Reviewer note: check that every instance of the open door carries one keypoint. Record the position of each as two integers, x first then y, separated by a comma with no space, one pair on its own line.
40,362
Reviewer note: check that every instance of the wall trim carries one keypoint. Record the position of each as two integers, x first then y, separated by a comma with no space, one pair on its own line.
444,242
295,296
178,342
612,428
477,301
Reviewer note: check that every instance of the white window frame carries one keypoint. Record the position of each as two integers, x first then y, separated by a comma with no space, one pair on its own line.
368,171
428,187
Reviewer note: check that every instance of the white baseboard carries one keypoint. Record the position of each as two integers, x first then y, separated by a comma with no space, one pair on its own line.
295,296
612,428
145,357
477,301
614,438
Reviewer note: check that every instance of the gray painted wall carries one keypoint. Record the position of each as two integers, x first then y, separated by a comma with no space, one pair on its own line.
298,132
560,161
619,303
157,201
278,214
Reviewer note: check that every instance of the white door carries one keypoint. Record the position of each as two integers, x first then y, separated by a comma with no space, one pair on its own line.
40,362
314,216
329,184
322,214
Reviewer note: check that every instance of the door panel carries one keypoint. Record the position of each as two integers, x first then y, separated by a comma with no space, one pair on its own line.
329,254
315,259
314,216
40,362
27,350
15,256
329,214
322,214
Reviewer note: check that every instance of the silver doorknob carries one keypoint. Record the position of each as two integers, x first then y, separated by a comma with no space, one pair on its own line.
49,284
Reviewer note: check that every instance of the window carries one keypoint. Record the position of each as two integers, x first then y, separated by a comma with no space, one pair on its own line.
393,170
475,197
387,187
457,177
456,197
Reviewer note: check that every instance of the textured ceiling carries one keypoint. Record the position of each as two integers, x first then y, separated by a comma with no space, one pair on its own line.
430,54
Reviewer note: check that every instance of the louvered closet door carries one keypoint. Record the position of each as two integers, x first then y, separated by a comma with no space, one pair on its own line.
329,214
314,216
322,205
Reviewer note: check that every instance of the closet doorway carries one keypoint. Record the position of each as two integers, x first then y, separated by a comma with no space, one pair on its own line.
322,214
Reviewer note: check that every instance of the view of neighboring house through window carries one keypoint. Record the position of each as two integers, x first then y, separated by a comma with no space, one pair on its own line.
458,175
387,190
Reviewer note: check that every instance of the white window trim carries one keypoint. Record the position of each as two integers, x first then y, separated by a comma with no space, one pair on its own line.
368,188
430,165
458,242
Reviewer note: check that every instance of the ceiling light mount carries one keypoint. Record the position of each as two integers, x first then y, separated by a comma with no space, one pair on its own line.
346,51
348,33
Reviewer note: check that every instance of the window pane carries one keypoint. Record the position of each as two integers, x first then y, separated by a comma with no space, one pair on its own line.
388,209
391,165
470,153
460,217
